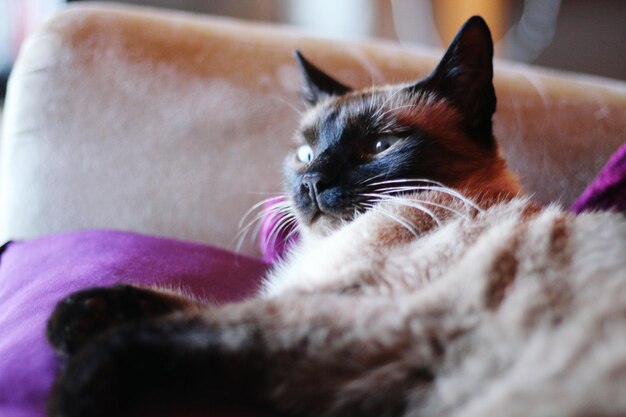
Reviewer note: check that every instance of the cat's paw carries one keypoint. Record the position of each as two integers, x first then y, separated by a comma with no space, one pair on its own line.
86,314
91,384
132,368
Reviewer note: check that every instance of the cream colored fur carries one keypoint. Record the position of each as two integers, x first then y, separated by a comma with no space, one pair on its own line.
527,307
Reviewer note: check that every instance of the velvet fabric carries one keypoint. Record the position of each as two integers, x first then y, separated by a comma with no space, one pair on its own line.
608,189
276,236
35,275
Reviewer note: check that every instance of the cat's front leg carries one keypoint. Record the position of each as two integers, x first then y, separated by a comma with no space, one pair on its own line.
85,314
309,356
143,366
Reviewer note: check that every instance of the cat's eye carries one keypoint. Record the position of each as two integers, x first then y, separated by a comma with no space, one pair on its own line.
382,143
304,154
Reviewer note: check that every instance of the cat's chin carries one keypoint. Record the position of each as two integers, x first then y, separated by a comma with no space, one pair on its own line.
323,225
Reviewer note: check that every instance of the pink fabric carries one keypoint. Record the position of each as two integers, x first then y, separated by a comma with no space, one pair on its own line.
608,189
34,275
275,241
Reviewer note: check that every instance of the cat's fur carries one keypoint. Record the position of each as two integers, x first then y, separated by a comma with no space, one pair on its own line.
419,300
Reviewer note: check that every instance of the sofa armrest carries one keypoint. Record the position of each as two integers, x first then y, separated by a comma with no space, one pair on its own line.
174,124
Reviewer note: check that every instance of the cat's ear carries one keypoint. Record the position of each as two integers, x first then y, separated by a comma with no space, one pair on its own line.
465,76
317,84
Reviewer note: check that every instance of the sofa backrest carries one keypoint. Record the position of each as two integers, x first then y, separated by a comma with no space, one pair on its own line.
175,124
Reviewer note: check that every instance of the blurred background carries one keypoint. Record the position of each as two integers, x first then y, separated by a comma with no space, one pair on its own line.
578,35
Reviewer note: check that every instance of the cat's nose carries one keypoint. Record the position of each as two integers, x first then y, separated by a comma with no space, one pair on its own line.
313,184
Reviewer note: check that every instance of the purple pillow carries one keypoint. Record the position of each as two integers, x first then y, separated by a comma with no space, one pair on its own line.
608,189
35,274
277,233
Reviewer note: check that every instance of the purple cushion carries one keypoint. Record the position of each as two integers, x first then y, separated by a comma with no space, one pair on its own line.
277,233
608,189
35,274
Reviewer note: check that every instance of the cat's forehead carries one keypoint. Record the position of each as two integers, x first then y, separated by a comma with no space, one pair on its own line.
378,108
353,103
356,108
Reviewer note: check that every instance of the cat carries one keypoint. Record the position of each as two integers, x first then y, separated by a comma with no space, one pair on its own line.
425,282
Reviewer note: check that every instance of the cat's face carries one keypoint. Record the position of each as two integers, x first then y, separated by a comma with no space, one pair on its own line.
353,144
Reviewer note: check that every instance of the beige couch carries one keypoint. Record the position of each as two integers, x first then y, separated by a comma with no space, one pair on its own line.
174,124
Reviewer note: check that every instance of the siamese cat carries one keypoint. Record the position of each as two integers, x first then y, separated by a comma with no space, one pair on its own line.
425,283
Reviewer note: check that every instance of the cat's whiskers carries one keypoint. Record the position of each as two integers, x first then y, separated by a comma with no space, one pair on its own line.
259,216
295,229
285,222
384,190
275,230
464,216
278,207
444,190
404,202
243,233
258,205
436,186
378,209
418,203
367,180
